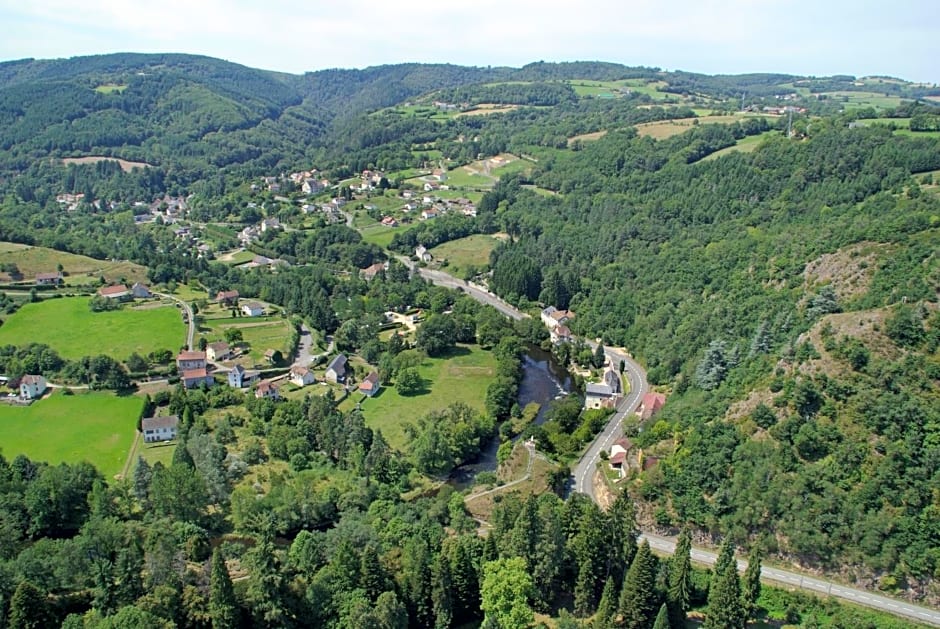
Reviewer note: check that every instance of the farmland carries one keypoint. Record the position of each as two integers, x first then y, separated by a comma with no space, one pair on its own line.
259,334
94,427
73,330
668,128
79,269
461,377
472,250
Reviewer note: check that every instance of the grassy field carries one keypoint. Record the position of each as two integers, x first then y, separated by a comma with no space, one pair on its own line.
110,88
668,128
463,252
73,330
467,177
94,427
745,145
853,100
378,234
259,333
80,269
462,377
618,89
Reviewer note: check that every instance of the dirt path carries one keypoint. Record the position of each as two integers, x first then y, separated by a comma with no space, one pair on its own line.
130,456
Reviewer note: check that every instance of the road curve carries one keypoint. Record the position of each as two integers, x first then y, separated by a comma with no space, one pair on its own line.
191,333
584,470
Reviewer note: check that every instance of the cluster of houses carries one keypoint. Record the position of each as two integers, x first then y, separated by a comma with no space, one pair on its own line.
122,292
623,454
431,206
332,210
557,323
230,298
167,208
253,232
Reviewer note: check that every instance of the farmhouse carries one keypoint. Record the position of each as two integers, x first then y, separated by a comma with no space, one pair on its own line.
604,394
140,291
370,272
119,291
267,390
159,428
49,279
32,387
301,376
190,360
193,378
227,297
370,384
652,402
422,253
218,351
336,370
252,309
240,377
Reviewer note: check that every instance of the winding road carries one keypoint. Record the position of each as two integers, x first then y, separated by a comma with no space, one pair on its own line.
586,466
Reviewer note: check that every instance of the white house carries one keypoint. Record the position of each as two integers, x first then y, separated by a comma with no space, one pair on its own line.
32,387
336,370
252,309
218,351
604,394
370,385
301,376
267,390
240,377
422,253
159,428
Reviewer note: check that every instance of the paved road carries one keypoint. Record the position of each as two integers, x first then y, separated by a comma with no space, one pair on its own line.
191,333
585,467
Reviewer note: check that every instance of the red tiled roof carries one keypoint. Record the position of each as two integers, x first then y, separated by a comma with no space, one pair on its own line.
108,291
191,356
618,458
189,374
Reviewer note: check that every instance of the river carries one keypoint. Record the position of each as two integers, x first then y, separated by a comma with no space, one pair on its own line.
543,380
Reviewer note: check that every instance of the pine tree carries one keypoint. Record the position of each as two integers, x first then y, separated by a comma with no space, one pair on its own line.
623,533
142,476
750,587
390,612
29,608
662,618
599,357
223,608
725,608
441,588
181,455
373,578
638,597
680,580
607,608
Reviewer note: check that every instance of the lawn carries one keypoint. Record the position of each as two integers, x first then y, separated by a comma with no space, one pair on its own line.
463,252
465,177
79,269
94,427
73,330
260,333
378,234
461,377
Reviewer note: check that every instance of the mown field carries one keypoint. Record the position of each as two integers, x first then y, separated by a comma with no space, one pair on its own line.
463,252
259,334
668,128
94,427
73,330
461,377
744,145
79,269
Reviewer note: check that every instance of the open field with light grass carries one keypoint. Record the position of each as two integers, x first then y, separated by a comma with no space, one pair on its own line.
485,109
73,330
258,333
111,88
853,100
125,165
472,250
461,377
745,145
94,427
378,234
587,137
80,269
663,129
469,177
619,89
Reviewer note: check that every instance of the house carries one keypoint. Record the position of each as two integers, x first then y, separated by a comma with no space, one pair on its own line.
311,186
190,360
159,428
651,404
336,370
193,378
140,291
119,291
552,316
32,387
301,376
370,272
604,394
49,279
389,221
240,377
439,174
429,214
618,454
370,385
252,309
560,334
267,390
218,351
422,253
227,297
270,223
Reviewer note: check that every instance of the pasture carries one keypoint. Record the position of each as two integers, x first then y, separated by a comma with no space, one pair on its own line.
94,427
79,269
73,330
472,250
745,145
125,165
259,334
461,377
663,129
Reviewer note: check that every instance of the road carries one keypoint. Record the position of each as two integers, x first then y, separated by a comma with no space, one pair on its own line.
191,333
584,471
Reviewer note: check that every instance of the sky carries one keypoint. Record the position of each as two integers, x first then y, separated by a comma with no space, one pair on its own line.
806,37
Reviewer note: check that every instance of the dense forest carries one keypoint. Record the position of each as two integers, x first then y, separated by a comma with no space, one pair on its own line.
784,297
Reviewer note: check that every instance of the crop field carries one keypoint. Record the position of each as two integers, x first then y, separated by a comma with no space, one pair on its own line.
79,269
94,427
461,377
472,250
73,330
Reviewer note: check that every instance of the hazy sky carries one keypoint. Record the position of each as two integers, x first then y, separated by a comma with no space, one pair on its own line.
815,37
